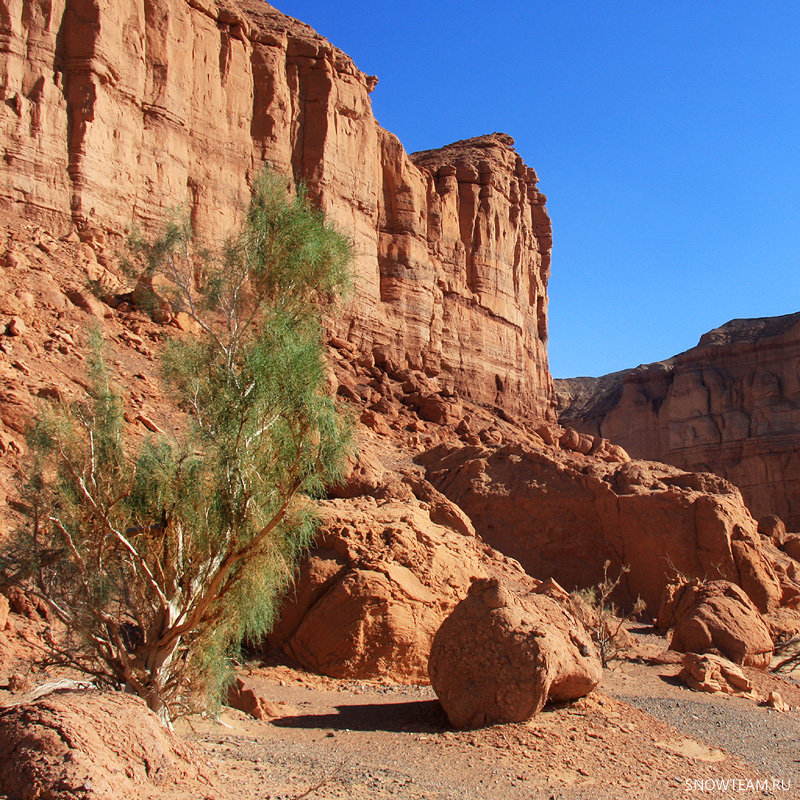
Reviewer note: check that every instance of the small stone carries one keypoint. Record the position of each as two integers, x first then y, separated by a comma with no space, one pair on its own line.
16,327
88,303
149,424
184,322
776,701
14,259
19,683
50,392
26,298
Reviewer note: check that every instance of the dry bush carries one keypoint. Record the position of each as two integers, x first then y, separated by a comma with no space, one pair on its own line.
602,617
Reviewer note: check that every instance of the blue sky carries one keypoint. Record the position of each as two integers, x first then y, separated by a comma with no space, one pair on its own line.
666,136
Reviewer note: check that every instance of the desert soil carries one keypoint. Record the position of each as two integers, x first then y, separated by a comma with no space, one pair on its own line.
642,735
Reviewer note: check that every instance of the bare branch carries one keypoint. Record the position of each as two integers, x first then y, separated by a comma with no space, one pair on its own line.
114,532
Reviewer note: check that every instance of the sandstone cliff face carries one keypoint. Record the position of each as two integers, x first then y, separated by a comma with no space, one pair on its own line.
731,405
114,113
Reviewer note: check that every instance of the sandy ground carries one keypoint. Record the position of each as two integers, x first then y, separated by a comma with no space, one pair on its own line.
642,734
340,739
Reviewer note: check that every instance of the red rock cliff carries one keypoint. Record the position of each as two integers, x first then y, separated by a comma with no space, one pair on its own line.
731,405
116,112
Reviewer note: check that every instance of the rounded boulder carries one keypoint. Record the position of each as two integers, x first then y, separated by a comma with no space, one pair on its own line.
501,655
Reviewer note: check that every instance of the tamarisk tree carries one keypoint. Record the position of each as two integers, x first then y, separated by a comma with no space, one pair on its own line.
158,559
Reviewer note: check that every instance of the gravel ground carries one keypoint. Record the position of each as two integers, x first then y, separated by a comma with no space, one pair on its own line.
344,740
766,739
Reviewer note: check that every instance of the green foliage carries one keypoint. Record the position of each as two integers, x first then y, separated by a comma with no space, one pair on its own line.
160,558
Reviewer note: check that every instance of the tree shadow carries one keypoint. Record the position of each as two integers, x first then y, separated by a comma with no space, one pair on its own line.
420,716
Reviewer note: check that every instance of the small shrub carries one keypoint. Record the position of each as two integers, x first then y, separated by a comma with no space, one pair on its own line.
602,617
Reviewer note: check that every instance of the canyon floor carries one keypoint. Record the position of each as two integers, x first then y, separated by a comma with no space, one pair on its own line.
642,734
639,735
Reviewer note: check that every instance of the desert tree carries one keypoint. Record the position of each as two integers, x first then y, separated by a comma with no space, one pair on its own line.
157,558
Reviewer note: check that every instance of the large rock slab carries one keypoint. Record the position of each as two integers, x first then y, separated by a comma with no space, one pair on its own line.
715,616
562,515
374,590
500,656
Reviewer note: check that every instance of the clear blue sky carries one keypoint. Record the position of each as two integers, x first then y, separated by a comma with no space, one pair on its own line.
666,136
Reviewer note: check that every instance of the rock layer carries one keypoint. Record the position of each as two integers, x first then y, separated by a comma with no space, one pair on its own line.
731,405
114,113
562,515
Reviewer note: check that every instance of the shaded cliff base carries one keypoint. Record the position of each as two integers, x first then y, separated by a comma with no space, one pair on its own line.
730,405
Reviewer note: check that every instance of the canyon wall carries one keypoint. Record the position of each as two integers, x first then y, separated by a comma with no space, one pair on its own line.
115,113
731,405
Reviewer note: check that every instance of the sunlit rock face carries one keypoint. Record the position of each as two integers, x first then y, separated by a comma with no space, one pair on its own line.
731,405
118,112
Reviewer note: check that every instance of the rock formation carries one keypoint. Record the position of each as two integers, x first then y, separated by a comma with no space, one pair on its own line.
731,405
500,656
375,589
115,113
710,673
71,745
244,697
715,616
563,515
